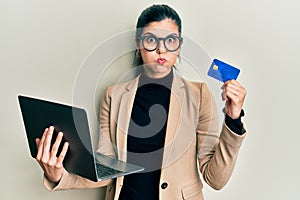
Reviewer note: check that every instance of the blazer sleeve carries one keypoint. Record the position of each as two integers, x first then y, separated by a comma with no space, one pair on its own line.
73,181
217,152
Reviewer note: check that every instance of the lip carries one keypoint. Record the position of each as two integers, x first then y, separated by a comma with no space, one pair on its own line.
161,61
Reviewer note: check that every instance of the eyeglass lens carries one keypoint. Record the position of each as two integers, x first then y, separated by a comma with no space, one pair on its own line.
150,42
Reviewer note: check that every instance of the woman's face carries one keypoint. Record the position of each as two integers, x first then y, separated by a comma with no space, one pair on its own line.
158,63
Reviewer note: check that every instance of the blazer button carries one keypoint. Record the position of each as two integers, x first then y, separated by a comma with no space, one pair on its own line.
164,185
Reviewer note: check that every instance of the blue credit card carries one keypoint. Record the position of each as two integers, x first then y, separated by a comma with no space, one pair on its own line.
223,71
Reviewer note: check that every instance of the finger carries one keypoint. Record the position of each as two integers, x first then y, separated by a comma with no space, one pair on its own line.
40,145
232,97
56,144
232,82
232,90
54,149
233,86
237,90
37,142
47,144
240,92
62,155
227,88
223,95
235,100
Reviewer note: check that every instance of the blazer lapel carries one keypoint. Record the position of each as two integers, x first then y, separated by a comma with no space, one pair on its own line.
124,114
174,117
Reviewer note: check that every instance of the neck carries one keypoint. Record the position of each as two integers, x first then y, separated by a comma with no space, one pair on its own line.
164,81
156,74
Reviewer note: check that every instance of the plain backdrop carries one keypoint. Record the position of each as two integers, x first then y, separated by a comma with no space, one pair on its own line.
44,43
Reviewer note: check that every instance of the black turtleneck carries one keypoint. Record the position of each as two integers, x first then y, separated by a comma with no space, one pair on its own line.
146,137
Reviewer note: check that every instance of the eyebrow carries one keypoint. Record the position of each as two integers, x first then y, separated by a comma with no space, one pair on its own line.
172,34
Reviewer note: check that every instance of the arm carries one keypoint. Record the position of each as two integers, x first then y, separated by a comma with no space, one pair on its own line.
55,175
73,181
217,155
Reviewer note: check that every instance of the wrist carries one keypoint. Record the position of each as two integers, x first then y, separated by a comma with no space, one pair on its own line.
235,125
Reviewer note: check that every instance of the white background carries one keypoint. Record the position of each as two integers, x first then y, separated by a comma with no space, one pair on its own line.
43,44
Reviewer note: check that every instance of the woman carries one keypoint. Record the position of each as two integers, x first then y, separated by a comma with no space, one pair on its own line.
161,122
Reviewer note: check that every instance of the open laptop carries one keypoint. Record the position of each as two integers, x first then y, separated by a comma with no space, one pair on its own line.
73,122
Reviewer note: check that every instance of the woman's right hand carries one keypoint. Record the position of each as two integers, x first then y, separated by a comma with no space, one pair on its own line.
46,156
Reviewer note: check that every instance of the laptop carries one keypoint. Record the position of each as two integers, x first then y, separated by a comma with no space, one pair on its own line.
80,159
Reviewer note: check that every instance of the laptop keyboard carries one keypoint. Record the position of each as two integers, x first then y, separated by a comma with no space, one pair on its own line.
106,171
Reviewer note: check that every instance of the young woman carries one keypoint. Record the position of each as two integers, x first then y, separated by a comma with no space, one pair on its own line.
160,121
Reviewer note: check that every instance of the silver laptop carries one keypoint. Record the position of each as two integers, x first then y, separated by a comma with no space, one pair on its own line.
73,122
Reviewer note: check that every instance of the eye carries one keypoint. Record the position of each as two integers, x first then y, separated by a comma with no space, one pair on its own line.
150,39
171,39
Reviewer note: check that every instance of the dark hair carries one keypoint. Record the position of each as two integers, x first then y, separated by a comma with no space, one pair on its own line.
154,13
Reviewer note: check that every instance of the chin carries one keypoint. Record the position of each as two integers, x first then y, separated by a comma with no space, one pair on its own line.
157,71
159,68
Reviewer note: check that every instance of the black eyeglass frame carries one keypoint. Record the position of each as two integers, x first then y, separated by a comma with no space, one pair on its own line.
159,39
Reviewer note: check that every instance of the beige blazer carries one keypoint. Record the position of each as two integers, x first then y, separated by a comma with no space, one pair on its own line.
192,137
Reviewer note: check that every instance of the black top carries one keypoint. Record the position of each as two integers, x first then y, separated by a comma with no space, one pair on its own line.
146,137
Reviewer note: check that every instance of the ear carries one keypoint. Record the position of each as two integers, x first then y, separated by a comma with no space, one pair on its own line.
181,43
137,43
179,49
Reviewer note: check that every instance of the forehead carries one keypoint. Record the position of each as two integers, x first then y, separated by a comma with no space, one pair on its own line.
162,28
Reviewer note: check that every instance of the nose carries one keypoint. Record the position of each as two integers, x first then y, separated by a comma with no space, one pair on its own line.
161,47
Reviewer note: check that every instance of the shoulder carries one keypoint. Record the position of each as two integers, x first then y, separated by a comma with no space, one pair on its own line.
196,87
122,86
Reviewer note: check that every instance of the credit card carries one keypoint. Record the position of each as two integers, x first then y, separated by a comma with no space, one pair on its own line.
223,71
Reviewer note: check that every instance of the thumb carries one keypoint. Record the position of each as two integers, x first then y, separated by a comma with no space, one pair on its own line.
37,142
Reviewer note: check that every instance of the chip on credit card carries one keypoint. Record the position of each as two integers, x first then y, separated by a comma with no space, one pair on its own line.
223,71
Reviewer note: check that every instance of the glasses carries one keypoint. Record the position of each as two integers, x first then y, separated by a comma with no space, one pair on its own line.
150,42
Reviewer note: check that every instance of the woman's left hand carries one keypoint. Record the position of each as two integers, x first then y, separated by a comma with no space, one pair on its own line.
234,94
